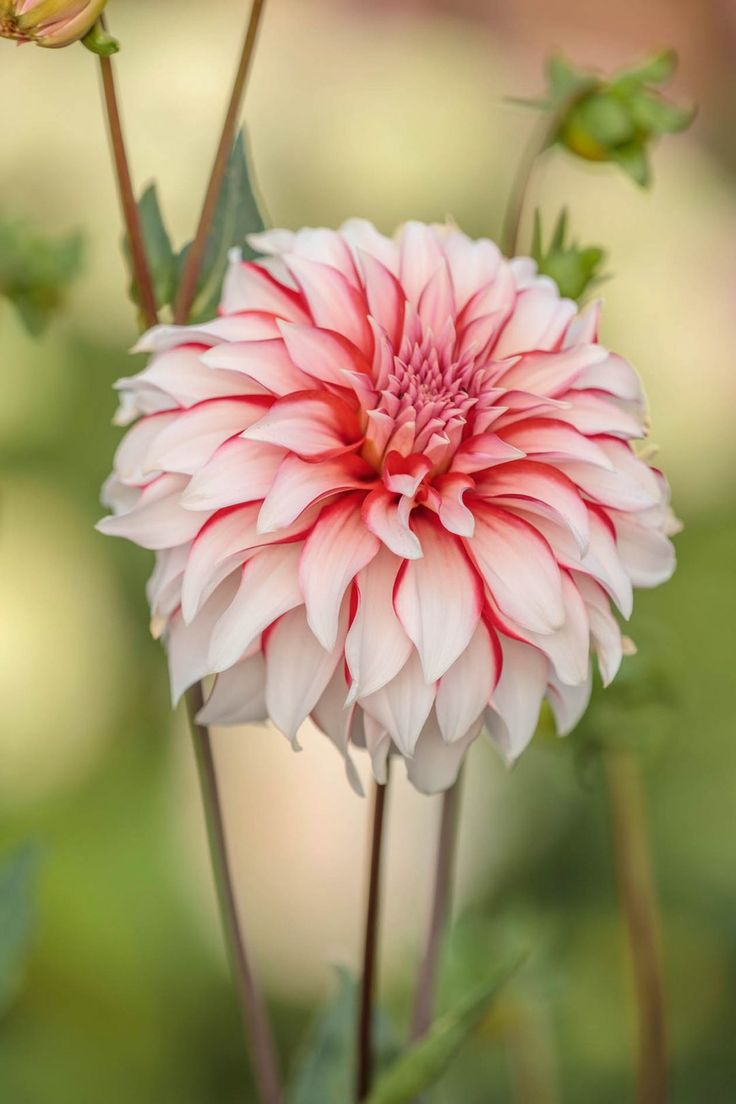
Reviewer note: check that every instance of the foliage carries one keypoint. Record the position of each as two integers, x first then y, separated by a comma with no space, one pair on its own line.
236,215
325,1072
424,1063
573,269
35,272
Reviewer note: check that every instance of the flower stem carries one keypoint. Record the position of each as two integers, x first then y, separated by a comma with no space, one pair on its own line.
259,1039
638,902
365,1016
258,1033
520,187
188,286
136,243
424,995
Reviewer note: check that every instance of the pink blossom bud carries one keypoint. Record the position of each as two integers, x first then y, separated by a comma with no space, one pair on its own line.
49,23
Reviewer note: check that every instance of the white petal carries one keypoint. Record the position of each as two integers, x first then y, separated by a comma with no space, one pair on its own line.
568,703
269,587
464,691
298,670
376,647
403,705
436,763
516,701
238,696
188,645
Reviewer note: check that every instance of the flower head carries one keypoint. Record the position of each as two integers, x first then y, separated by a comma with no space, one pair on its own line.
50,23
391,487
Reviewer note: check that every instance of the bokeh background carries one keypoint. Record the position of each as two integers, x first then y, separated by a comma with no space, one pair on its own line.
387,110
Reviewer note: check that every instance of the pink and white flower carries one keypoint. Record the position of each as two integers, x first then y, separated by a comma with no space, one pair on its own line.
392,487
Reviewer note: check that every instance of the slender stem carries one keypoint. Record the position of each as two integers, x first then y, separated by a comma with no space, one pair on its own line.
188,285
638,902
258,1037
520,187
365,1017
139,261
427,980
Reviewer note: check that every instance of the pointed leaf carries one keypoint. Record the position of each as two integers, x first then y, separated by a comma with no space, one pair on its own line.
236,215
161,257
423,1064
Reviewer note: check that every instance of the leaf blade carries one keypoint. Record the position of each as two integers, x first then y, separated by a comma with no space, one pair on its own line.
424,1063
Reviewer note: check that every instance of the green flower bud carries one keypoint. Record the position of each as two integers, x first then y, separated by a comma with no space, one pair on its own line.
48,23
614,119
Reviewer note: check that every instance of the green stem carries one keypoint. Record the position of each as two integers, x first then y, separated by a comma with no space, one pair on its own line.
427,981
258,1037
365,1014
514,212
639,907
195,256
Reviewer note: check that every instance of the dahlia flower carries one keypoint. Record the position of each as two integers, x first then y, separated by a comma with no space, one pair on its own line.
49,23
391,488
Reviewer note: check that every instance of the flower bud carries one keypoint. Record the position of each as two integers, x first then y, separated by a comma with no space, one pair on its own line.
49,23
614,119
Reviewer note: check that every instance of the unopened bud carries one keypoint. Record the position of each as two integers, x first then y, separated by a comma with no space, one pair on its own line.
612,119
49,23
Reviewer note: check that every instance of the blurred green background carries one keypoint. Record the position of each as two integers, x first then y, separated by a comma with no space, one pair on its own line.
387,110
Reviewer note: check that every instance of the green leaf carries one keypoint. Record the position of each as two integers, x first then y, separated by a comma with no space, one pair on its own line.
159,251
237,214
17,879
424,1063
35,272
325,1072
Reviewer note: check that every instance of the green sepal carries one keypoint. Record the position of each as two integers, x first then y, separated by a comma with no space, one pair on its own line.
99,42
574,269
